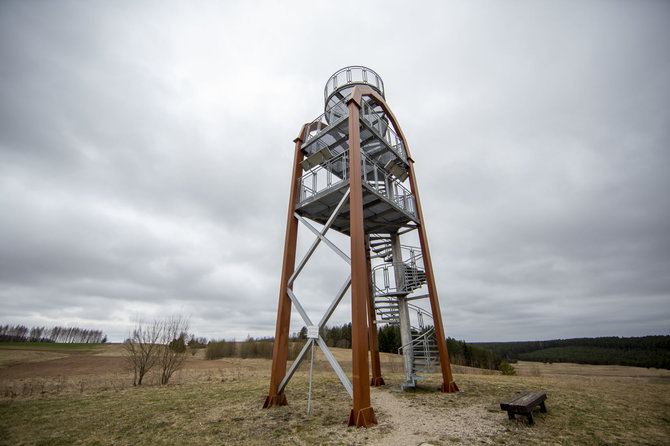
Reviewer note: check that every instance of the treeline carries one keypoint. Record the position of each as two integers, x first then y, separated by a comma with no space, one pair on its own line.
647,351
62,335
336,336
250,348
460,352
339,336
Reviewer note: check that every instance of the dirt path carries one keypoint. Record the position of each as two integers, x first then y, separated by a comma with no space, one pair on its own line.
409,422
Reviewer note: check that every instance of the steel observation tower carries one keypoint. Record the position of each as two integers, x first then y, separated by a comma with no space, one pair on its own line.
353,173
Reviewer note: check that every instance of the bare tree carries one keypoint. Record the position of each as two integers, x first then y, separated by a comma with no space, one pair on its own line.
142,349
172,353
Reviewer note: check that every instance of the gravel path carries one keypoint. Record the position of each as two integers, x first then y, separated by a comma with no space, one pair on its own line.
406,422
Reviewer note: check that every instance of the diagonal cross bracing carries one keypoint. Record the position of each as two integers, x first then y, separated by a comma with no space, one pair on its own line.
299,307
295,365
335,302
334,364
320,236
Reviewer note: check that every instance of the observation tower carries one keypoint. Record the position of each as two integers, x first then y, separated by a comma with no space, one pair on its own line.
353,173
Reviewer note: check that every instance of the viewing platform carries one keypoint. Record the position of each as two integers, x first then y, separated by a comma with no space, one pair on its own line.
341,83
388,204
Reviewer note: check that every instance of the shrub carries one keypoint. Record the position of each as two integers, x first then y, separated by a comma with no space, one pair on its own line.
220,349
506,368
178,345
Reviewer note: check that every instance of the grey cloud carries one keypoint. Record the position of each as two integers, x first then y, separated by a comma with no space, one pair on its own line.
145,155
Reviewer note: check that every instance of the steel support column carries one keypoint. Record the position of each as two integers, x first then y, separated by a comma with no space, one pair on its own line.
362,413
280,348
373,336
403,308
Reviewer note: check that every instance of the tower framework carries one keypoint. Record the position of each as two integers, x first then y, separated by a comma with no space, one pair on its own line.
353,173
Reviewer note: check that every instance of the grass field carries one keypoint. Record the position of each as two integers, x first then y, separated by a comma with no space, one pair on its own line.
43,345
219,402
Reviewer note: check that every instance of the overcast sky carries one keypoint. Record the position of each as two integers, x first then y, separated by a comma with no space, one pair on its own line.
146,149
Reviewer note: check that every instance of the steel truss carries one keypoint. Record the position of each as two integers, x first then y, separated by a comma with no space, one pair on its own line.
314,330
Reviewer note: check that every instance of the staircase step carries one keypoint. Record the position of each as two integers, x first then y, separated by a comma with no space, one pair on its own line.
380,237
433,360
380,242
393,294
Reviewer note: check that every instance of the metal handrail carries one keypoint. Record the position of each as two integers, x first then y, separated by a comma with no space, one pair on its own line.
318,125
323,176
421,313
382,182
421,339
353,75
387,185
380,124
385,271
414,252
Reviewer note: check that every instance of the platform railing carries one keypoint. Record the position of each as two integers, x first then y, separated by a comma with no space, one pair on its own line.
332,172
387,185
384,276
380,124
376,121
332,114
351,76
326,175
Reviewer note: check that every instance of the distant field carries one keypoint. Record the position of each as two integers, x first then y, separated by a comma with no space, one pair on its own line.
16,353
564,369
41,345
86,398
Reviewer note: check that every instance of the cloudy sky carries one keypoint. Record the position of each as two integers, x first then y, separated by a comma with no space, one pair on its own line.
146,147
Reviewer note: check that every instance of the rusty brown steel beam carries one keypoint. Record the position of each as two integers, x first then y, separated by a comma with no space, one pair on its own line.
362,414
448,384
280,348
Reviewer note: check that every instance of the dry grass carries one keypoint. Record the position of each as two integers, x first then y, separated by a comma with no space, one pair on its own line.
11,357
526,368
219,402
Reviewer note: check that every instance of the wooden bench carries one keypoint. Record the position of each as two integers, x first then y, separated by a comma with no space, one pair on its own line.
523,404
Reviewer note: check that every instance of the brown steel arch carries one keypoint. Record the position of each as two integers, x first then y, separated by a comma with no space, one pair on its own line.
448,384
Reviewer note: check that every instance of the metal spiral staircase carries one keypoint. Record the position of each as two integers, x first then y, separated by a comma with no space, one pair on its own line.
394,281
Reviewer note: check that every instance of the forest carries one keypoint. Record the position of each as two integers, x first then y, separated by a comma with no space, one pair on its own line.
460,352
646,351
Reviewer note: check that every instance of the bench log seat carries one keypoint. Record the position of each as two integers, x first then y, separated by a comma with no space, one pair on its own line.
523,404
